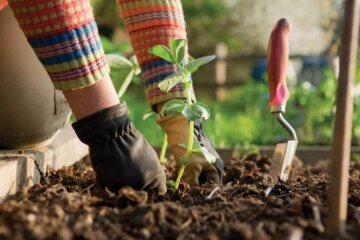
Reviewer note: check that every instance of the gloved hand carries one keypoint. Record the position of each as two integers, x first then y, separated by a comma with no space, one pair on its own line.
199,170
119,154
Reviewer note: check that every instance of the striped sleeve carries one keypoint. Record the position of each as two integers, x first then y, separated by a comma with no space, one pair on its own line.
149,23
65,38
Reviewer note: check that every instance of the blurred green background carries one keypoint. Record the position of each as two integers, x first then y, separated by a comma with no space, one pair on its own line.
240,114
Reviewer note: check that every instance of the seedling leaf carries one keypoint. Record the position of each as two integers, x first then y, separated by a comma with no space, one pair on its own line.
168,83
163,52
136,66
119,62
183,145
208,156
196,111
195,149
148,114
177,48
189,113
195,64
185,160
173,107
202,110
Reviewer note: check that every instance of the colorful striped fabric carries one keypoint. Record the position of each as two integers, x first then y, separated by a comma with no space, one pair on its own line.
65,38
152,22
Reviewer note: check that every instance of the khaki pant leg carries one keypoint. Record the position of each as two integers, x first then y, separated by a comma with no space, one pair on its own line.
31,110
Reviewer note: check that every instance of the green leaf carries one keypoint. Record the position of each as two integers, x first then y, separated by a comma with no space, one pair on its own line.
196,148
185,160
196,111
183,145
202,110
180,54
208,156
168,83
163,52
195,64
148,114
118,62
189,113
136,66
177,47
173,107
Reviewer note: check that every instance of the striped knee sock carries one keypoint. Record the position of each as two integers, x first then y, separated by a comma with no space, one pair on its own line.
149,23
64,36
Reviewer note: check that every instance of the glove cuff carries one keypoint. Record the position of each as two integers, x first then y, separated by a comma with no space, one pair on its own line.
99,123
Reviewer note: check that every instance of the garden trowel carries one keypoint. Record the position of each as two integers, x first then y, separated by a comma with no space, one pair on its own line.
277,64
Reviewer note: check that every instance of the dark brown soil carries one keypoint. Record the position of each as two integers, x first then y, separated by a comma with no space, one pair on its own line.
68,205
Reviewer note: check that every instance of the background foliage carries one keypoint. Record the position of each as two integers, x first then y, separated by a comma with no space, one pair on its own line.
243,118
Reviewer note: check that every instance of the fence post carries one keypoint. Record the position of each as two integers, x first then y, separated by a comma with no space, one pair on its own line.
340,159
221,53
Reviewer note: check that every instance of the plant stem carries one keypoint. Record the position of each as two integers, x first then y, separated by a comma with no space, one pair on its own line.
188,153
126,83
189,145
163,149
179,176
188,97
191,139
191,127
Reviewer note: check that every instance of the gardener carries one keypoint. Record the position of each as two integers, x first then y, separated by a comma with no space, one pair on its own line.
64,37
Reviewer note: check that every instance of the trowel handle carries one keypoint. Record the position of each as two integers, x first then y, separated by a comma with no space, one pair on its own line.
278,54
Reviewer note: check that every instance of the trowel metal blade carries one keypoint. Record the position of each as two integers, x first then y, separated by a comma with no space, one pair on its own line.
283,157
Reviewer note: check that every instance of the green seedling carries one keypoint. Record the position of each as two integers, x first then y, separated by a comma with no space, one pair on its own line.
189,108
128,69
162,157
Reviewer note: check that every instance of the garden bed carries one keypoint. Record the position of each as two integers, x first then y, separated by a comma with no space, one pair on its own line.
67,205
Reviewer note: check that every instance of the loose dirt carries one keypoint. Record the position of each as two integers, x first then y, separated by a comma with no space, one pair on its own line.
69,205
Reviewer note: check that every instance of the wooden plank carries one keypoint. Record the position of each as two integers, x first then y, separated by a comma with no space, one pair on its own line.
339,168
19,168
8,171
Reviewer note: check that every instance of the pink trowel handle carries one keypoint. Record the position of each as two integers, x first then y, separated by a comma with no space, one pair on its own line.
278,54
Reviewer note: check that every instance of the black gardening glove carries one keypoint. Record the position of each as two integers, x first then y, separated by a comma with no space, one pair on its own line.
119,154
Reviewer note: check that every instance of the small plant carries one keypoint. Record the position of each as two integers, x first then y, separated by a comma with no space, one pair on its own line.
162,157
127,69
189,108
164,144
